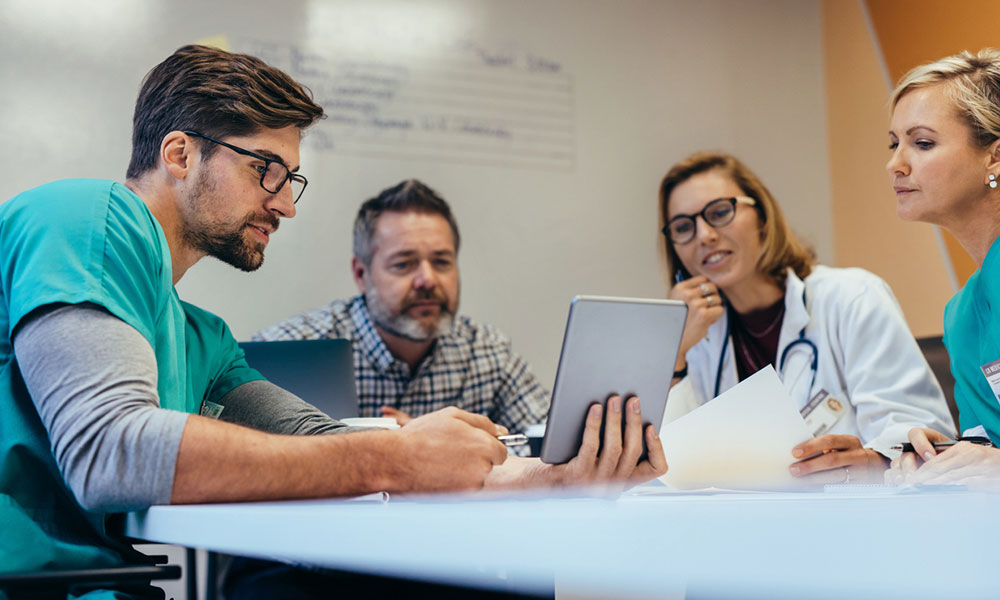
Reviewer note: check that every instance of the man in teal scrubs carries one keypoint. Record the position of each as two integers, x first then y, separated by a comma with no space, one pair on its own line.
115,395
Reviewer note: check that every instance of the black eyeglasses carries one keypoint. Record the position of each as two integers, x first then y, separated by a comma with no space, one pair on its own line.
273,174
721,211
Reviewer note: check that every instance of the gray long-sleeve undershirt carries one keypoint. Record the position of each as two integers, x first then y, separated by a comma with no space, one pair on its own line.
93,379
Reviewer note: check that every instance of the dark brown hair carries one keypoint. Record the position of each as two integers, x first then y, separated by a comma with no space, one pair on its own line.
216,93
779,248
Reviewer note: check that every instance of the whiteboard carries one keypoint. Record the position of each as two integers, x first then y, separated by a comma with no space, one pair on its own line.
563,117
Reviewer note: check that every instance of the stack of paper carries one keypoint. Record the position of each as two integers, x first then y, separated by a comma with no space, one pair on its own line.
742,439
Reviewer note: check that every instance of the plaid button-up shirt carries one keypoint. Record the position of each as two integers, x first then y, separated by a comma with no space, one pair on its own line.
471,367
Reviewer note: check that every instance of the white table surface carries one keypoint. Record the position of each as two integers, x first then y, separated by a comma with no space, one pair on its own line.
815,545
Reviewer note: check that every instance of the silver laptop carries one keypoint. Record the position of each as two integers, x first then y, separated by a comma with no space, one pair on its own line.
625,346
321,372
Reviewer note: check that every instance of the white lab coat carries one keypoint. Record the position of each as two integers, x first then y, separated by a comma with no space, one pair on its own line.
867,358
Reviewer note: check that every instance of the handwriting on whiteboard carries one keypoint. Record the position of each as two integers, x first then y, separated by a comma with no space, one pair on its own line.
469,104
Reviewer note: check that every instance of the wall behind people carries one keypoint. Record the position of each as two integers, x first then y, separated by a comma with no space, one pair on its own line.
547,124
946,30
869,45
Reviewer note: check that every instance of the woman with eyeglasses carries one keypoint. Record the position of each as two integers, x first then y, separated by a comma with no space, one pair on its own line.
836,337
944,135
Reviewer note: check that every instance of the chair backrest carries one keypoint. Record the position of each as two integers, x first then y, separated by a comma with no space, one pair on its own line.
321,372
937,357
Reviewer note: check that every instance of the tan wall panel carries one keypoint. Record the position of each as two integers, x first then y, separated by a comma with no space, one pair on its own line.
867,232
913,32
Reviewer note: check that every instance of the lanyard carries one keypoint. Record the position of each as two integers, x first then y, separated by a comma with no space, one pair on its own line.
801,341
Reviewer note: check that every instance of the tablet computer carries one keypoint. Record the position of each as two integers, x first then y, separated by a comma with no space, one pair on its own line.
624,346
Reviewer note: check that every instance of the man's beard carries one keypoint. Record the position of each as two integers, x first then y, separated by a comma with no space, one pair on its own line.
221,241
403,325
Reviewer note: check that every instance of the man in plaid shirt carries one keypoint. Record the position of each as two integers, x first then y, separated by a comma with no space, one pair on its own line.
412,353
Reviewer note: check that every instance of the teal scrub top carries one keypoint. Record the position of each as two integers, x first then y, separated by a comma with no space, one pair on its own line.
93,241
972,337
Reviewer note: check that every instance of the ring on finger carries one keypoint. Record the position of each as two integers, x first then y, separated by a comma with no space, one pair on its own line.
705,290
711,301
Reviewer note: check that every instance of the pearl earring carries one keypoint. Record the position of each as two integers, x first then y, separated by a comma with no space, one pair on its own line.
993,181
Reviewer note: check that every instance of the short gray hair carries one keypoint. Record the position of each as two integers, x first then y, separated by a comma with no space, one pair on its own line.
410,195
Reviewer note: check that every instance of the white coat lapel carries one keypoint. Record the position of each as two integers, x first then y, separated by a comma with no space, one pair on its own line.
795,370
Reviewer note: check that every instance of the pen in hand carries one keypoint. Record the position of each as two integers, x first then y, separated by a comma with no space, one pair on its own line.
981,441
514,439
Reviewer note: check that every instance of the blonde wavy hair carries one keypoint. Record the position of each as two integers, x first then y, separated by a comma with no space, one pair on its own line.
973,85
779,248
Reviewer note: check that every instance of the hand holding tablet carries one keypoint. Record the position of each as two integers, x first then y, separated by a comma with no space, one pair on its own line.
613,348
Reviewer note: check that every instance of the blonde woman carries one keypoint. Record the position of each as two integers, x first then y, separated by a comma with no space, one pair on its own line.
944,136
755,297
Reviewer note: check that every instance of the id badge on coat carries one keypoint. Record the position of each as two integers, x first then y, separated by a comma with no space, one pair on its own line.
211,409
992,373
822,412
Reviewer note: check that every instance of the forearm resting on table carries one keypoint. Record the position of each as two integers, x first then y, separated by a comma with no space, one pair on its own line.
221,462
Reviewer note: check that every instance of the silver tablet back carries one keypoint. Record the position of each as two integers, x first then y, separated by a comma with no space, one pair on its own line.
625,346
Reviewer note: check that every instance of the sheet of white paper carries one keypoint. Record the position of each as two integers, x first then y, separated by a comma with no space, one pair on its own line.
742,439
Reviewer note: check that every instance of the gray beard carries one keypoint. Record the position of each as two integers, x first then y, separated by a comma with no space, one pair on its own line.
403,325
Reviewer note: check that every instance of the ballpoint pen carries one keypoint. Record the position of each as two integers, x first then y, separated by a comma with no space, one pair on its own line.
980,441
514,439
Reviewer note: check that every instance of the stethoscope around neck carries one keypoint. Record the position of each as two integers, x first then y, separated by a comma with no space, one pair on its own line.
801,341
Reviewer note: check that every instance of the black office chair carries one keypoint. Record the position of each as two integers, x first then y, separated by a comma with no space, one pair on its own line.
937,357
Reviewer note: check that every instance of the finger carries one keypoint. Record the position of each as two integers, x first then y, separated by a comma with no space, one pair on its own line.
499,452
633,439
591,435
926,473
921,440
844,442
655,464
826,443
712,314
958,476
959,455
712,302
694,282
908,464
394,413
688,289
477,421
709,316
825,462
703,313
501,430
694,289
959,473
611,450
893,475
706,288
